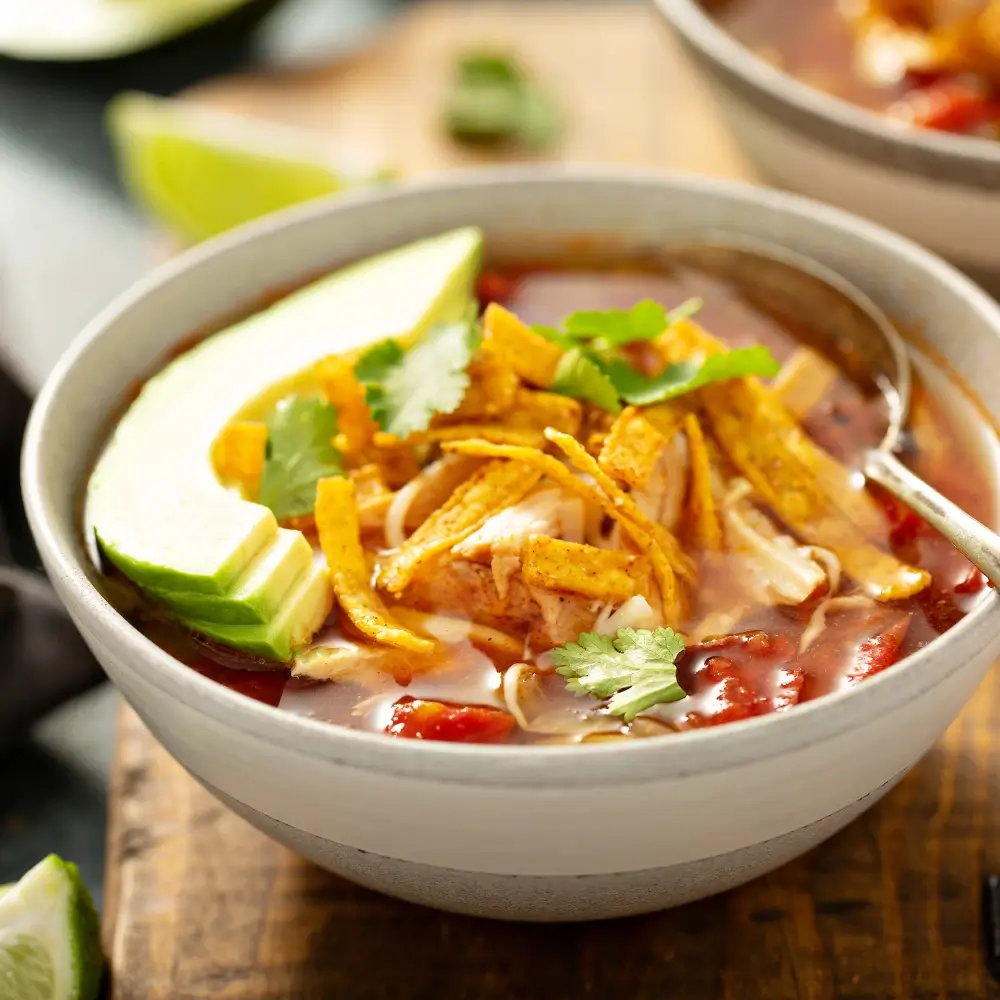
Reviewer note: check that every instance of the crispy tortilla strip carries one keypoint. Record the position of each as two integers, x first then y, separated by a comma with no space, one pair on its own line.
487,491
372,496
339,536
805,378
644,540
455,631
601,574
577,454
437,483
238,455
532,356
347,394
492,392
805,486
666,417
398,462
500,433
705,527
632,449
539,410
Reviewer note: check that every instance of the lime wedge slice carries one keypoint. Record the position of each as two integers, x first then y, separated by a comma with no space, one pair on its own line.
202,171
100,29
50,944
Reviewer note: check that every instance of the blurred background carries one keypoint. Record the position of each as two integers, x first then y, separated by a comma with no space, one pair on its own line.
70,240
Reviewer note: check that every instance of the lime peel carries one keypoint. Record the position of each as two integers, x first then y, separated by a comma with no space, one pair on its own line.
50,943
202,171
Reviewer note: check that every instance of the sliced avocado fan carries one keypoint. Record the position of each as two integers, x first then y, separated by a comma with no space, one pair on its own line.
219,562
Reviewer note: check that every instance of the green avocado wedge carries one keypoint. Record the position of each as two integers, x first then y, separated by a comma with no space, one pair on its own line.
218,562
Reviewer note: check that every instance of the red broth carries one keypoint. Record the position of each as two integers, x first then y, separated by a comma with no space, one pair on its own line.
813,41
758,668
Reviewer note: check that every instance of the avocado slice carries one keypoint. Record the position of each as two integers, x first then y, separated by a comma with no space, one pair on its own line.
219,562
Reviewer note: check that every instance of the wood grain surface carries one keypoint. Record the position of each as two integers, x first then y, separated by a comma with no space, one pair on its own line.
200,905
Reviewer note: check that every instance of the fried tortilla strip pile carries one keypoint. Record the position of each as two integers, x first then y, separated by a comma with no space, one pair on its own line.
533,357
646,541
339,536
808,489
487,491
601,574
631,449
680,562
238,455
705,526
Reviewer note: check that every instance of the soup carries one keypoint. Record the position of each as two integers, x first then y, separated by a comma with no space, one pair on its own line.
930,63
615,500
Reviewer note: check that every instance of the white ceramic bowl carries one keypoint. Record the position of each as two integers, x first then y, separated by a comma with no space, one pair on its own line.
939,189
516,832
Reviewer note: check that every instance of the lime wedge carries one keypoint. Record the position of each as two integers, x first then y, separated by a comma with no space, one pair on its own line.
50,944
202,171
100,29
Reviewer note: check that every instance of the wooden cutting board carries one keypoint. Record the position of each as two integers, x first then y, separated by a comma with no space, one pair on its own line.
200,905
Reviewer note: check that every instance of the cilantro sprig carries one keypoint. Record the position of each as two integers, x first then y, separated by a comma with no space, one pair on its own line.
299,453
493,100
404,389
595,369
635,669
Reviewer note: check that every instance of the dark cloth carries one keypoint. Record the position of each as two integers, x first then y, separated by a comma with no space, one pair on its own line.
43,659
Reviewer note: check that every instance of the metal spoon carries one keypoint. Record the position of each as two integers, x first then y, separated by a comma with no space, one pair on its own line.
848,326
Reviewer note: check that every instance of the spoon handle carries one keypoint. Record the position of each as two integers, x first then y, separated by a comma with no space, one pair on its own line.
969,536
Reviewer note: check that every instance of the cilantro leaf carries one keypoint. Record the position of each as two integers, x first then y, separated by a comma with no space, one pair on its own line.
556,336
686,376
646,320
404,389
578,375
298,455
492,100
635,670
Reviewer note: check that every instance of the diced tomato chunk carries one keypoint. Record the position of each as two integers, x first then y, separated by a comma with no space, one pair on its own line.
493,287
973,582
742,676
904,524
874,654
946,105
432,720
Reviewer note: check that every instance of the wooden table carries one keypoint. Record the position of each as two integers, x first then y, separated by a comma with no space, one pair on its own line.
199,905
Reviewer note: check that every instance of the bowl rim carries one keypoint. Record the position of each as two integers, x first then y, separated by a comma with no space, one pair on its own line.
691,20
694,754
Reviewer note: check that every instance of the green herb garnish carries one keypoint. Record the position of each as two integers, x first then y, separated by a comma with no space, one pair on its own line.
404,389
298,455
686,376
580,376
635,669
595,369
492,100
646,320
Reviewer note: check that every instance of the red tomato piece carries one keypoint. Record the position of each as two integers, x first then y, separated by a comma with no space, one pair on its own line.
972,582
493,287
433,720
873,655
904,524
946,105
261,685
742,676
